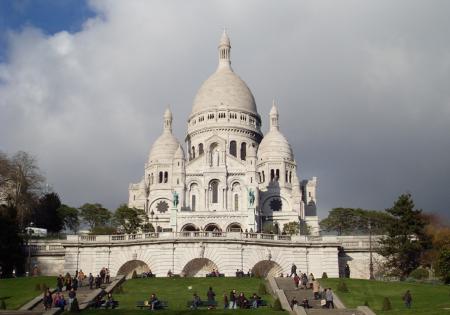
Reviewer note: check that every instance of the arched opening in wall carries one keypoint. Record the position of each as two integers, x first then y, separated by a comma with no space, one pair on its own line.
243,151
234,227
160,179
198,267
214,153
233,150
214,187
200,149
212,227
266,268
272,175
166,177
129,267
189,227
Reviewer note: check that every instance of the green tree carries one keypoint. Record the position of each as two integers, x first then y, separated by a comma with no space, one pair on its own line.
69,217
95,215
406,239
45,214
443,265
11,242
341,220
291,228
129,219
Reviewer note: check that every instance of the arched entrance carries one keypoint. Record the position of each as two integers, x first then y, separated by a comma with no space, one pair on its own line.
212,227
198,267
129,267
266,268
234,227
189,228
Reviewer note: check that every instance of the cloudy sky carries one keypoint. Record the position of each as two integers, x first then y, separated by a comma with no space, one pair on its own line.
363,89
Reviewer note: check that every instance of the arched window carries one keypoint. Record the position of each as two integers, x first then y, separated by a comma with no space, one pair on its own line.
290,177
193,152
272,175
160,177
277,176
193,203
166,177
214,192
286,179
263,177
200,149
236,202
233,148
243,151
151,179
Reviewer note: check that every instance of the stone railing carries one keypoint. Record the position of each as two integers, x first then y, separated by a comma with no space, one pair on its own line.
185,235
358,242
42,246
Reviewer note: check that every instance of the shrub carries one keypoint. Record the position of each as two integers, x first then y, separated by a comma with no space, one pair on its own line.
134,275
74,307
342,286
324,275
2,305
420,274
37,287
262,289
277,305
386,304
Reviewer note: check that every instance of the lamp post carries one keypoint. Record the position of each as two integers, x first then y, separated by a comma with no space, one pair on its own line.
29,233
371,277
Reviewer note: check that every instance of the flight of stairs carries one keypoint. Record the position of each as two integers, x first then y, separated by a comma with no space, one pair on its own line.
288,286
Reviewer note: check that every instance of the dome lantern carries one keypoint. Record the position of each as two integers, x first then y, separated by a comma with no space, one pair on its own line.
224,51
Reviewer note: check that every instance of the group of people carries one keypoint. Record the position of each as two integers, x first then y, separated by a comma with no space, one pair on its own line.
303,281
231,301
58,300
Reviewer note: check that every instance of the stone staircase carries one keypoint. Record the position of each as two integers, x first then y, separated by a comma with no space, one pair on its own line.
288,286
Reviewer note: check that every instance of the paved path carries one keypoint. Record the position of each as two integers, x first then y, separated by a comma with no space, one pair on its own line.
288,286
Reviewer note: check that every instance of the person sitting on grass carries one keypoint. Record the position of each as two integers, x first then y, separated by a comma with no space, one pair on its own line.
154,302
169,273
255,300
110,301
407,298
242,301
195,301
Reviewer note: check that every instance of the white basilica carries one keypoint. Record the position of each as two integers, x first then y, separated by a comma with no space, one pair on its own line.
230,176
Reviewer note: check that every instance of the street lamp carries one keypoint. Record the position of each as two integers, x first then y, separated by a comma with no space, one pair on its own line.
29,233
371,277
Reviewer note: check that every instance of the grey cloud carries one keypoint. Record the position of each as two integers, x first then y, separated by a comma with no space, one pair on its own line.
362,89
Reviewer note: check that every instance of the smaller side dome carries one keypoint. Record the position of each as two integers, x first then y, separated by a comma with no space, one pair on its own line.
179,153
274,145
166,145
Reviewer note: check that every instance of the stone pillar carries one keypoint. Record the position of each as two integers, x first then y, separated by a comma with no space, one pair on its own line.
251,218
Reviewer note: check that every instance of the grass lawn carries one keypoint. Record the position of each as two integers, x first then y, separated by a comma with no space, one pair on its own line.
176,292
428,299
18,291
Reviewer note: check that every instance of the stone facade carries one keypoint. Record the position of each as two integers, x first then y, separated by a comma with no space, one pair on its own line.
229,177
197,253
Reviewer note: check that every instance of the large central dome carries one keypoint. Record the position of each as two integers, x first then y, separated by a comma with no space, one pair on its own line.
224,89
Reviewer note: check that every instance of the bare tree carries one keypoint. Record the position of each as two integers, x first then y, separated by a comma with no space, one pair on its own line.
21,183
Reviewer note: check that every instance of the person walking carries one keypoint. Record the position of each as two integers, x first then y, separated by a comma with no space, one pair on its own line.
293,269
225,301
316,289
91,281
233,298
329,298
211,297
296,280
407,298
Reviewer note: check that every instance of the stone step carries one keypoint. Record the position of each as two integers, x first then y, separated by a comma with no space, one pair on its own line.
300,294
333,312
285,283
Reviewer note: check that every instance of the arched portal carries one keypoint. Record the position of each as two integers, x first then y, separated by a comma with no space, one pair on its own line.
129,267
266,268
212,227
189,227
199,267
234,227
